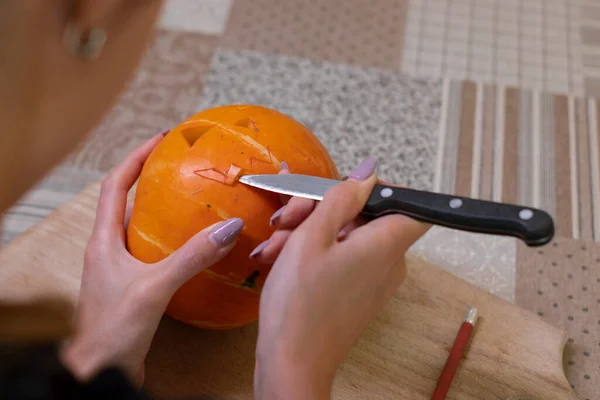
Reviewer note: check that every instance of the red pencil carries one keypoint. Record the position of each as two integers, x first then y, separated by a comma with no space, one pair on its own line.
458,348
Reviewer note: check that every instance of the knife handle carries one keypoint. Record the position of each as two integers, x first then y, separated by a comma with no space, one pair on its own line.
535,227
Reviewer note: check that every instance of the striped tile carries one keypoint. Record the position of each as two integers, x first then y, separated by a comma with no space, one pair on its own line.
484,183
583,190
594,132
510,159
466,132
523,146
445,175
562,158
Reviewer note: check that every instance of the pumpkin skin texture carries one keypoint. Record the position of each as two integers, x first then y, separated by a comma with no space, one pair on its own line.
189,183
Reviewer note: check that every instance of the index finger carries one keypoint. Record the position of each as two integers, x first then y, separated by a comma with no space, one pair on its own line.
343,202
110,213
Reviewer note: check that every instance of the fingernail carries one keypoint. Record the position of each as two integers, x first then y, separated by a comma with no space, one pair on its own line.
226,232
259,248
276,215
284,166
364,170
164,133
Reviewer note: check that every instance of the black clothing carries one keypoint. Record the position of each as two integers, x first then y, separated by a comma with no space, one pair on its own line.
36,373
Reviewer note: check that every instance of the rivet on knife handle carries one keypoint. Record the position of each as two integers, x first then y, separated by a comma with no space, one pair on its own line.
535,227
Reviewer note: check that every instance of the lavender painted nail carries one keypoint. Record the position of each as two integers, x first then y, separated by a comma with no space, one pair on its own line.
260,248
284,166
276,216
364,170
226,232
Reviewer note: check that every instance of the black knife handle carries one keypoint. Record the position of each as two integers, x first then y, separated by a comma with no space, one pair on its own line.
535,227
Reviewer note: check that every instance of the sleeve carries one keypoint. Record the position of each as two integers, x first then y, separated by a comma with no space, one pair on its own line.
34,372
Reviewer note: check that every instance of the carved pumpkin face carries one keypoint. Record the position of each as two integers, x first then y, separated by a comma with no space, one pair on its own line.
189,182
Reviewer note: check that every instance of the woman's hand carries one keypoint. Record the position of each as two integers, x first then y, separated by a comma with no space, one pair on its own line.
322,292
122,300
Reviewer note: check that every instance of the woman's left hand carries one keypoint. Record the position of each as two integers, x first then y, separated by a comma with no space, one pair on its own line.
122,300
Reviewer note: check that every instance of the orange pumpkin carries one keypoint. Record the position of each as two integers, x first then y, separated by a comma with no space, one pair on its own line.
189,182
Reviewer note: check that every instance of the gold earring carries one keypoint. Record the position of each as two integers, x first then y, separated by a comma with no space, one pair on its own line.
85,46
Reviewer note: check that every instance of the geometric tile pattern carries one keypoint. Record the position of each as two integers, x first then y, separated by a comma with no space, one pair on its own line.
487,261
531,44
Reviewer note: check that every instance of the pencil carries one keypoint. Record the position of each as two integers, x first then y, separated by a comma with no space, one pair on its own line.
456,353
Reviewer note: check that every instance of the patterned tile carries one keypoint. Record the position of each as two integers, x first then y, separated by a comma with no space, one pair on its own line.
345,31
533,44
163,93
199,16
355,112
487,261
56,189
561,283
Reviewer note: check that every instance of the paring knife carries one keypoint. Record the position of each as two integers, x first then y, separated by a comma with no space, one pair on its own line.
533,226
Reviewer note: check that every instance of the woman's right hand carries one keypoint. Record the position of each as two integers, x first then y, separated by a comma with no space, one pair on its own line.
323,291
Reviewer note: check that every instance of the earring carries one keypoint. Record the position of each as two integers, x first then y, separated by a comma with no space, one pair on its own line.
86,47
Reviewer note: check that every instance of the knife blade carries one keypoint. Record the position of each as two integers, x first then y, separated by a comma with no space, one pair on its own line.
533,226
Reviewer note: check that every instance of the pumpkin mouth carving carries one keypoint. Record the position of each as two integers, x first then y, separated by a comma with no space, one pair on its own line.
195,132
229,177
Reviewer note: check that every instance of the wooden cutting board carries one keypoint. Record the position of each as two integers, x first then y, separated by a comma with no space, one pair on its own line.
513,354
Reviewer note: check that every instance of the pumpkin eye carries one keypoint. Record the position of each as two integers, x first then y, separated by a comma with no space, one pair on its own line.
247,123
193,133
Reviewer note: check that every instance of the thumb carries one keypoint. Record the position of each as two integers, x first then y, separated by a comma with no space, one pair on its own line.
202,250
343,202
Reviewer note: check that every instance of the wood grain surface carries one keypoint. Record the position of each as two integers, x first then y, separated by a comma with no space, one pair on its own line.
513,354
